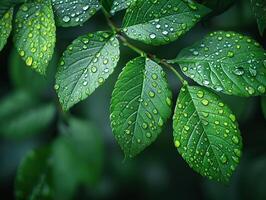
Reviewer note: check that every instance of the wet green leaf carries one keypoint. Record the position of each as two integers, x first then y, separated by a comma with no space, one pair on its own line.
259,10
206,133
33,180
141,104
77,158
5,27
85,65
21,116
226,62
73,13
35,34
119,5
161,22
107,4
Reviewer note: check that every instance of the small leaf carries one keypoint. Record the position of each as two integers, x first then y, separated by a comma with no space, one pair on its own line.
73,13
226,62
35,34
161,22
206,133
141,104
119,5
259,10
5,27
33,180
77,158
85,65
263,106
21,116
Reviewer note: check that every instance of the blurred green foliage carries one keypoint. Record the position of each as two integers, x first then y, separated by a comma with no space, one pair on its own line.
82,159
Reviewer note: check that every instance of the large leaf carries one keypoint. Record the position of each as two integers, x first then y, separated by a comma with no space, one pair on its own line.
77,158
5,27
206,133
33,180
161,22
120,5
73,13
35,34
141,104
21,116
228,62
85,65
259,10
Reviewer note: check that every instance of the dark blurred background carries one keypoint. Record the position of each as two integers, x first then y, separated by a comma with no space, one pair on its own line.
159,172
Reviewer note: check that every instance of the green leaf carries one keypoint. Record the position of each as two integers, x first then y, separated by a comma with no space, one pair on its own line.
77,158
206,133
33,180
5,27
141,104
35,34
161,22
22,77
21,116
259,10
85,65
263,105
119,5
226,62
72,13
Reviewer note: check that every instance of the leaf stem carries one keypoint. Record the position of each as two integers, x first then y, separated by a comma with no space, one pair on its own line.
126,43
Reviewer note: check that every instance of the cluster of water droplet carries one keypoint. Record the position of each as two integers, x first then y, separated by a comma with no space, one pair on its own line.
120,5
141,103
228,62
5,27
74,12
155,22
85,65
35,34
206,133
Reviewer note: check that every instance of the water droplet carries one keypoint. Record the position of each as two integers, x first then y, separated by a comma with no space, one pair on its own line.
66,19
235,139
205,102
239,71
177,143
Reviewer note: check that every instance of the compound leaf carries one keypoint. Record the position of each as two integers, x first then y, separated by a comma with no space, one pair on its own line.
141,104
33,180
206,133
119,5
259,10
21,116
5,27
73,13
85,65
226,62
35,34
161,22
